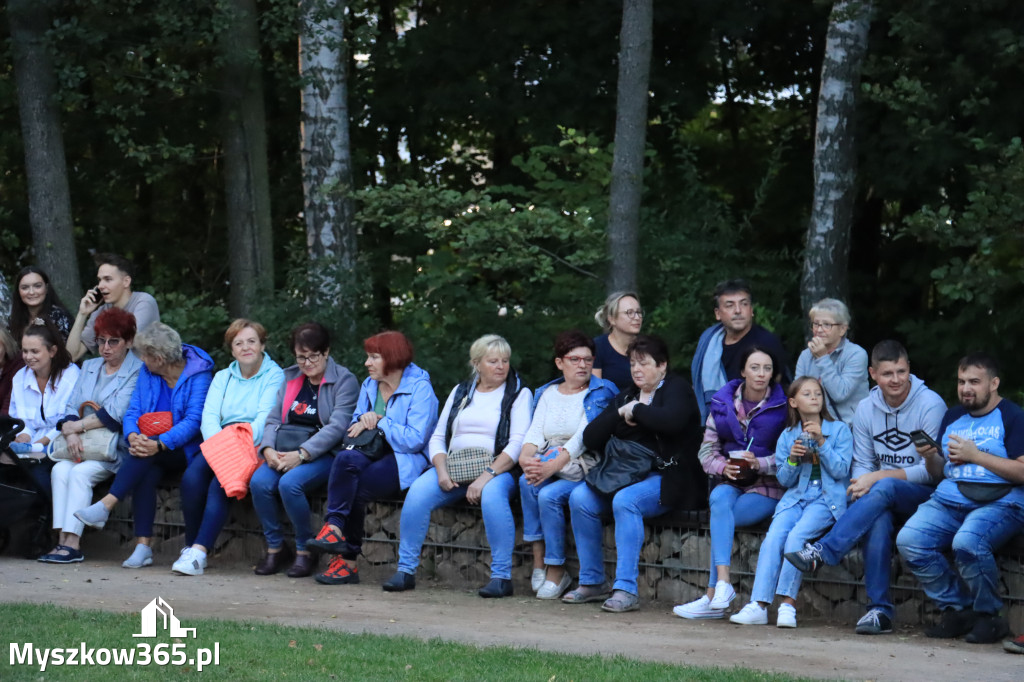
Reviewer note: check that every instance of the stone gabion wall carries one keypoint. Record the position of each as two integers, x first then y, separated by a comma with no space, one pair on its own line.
674,561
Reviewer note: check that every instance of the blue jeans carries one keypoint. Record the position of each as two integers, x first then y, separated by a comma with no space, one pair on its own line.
203,502
139,477
425,495
731,507
293,487
974,532
544,515
790,530
629,507
871,519
355,480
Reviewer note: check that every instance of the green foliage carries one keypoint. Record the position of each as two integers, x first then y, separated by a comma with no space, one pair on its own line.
979,274
467,263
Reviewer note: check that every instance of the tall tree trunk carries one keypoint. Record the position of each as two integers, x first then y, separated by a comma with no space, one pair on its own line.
247,182
46,172
635,42
5,301
326,153
827,254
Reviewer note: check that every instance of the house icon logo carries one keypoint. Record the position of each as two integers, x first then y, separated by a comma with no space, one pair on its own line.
157,615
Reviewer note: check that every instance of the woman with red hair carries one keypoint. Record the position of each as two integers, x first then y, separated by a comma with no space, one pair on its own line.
398,402
105,384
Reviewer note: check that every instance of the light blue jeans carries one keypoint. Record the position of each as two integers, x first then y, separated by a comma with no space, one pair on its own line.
628,508
974,532
731,507
791,528
425,495
293,486
544,515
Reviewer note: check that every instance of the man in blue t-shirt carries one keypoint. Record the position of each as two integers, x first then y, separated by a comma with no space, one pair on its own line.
977,507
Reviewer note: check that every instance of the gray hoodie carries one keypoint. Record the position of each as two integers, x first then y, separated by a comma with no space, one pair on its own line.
881,434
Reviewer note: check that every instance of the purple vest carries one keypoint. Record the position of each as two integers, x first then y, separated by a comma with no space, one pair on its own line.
766,426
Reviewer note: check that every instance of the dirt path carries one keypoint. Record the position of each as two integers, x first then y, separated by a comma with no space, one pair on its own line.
652,633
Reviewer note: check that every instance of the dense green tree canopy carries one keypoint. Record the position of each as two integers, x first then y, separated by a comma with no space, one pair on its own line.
481,137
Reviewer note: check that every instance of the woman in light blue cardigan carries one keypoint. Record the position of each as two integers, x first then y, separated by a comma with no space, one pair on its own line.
108,382
813,458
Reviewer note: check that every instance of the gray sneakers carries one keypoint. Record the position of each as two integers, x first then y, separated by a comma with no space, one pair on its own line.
94,516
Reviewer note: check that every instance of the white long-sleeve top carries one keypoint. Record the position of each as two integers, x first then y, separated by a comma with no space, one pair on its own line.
42,411
559,418
477,423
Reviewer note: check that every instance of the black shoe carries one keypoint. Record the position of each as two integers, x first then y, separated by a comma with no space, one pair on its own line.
987,629
874,622
952,624
808,559
400,582
273,562
497,588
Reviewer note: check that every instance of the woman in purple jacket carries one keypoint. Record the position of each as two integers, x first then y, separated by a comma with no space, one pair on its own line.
745,419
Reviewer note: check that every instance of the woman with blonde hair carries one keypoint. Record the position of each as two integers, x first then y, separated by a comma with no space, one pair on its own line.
621,318
488,414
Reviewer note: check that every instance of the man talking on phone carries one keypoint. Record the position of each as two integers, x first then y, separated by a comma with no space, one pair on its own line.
113,289
889,478
977,507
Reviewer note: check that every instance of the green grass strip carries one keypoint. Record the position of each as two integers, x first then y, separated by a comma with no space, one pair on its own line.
250,651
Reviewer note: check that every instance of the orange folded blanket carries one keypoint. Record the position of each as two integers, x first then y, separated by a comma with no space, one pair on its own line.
232,456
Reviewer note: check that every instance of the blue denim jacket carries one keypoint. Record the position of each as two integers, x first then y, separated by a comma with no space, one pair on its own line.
835,458
599,394
409,422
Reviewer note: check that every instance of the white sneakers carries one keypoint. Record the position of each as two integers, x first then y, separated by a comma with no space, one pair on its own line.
191,562
537,578
751,614
698,610
724,594
786,617
552,590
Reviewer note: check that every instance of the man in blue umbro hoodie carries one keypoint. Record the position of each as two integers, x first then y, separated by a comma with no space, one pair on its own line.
888,481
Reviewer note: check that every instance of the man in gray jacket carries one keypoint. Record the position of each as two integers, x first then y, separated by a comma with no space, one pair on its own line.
889,478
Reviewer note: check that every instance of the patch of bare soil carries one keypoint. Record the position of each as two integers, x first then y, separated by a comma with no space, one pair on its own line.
653,633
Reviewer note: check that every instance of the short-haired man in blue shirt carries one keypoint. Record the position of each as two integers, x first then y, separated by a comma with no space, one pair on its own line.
977,507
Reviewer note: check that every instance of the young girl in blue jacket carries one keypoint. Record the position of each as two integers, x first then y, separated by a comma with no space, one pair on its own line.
813,456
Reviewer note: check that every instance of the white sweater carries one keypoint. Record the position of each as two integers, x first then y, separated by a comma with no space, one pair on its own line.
559,418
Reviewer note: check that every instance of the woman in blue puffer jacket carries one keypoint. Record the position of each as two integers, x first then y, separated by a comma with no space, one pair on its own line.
176,378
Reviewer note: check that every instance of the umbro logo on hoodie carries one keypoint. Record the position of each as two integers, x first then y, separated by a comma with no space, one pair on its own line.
894,439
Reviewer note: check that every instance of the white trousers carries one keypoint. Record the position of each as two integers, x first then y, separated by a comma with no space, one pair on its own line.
72,490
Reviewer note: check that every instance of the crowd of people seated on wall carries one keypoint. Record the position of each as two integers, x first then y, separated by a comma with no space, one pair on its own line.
615,436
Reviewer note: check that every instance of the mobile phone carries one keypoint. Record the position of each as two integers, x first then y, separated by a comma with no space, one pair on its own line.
97,297
921,438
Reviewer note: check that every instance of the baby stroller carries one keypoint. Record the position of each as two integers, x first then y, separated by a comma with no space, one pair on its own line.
24,508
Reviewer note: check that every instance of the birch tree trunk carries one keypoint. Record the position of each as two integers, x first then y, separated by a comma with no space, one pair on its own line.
5,301
326,152
635,41
827,254
49,199
244,130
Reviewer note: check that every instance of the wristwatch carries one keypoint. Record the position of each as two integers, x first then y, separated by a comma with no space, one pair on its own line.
491,471
304,456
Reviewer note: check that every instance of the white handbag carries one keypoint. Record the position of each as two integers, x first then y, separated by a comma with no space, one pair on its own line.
99,445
